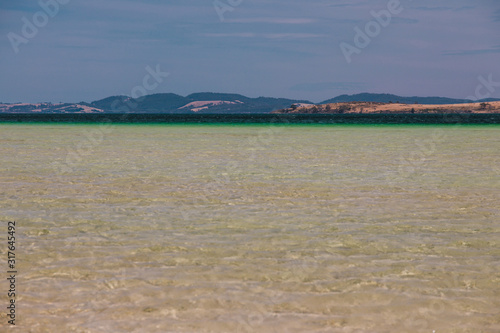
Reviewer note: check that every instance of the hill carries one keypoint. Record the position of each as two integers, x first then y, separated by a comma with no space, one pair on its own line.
377,107
198,102
389,98
208,102
161,103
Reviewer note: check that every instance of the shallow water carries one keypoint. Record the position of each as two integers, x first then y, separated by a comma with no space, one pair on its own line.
253,228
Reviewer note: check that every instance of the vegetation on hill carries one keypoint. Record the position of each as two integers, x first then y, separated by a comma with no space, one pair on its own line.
377,107
172,103
207,102
388,98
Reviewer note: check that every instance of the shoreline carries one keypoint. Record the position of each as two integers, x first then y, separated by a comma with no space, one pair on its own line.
392,108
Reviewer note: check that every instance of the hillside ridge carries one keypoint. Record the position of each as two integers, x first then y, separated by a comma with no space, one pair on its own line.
210,102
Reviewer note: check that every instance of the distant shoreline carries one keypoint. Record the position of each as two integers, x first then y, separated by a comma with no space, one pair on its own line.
393,108
347,118
223,103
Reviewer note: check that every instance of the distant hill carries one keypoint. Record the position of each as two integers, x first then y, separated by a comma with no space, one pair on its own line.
199,102
208,102
109,102
208,96
388,98
393,108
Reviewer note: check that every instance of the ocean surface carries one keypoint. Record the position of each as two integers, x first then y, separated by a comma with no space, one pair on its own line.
252,228
256,118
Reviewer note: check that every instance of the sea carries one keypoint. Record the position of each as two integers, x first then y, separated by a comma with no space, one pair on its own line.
231,227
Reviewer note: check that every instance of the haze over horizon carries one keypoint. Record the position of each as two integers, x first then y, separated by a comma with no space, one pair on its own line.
71,51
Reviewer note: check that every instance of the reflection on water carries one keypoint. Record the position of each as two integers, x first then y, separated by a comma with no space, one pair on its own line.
202,228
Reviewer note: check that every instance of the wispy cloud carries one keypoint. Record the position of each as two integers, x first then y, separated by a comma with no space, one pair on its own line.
231,34
267,35
464,8
444,8
435,9
495,49
340,5
496,16
404,20
292,35
273,20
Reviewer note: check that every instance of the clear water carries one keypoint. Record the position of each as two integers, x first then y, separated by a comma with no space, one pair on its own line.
238,228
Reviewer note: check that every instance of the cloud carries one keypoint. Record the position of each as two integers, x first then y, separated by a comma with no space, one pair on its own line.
435,9
495,49
464,8
274,20
322,86
292,35
231,34
443,8
404,20
496,16
266,35
345,5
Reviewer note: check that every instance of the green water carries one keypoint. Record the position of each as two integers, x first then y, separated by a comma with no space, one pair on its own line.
256,228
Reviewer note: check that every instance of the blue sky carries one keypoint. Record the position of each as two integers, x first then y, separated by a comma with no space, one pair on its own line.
93,49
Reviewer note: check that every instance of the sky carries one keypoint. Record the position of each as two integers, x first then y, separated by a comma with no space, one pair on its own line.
85,50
